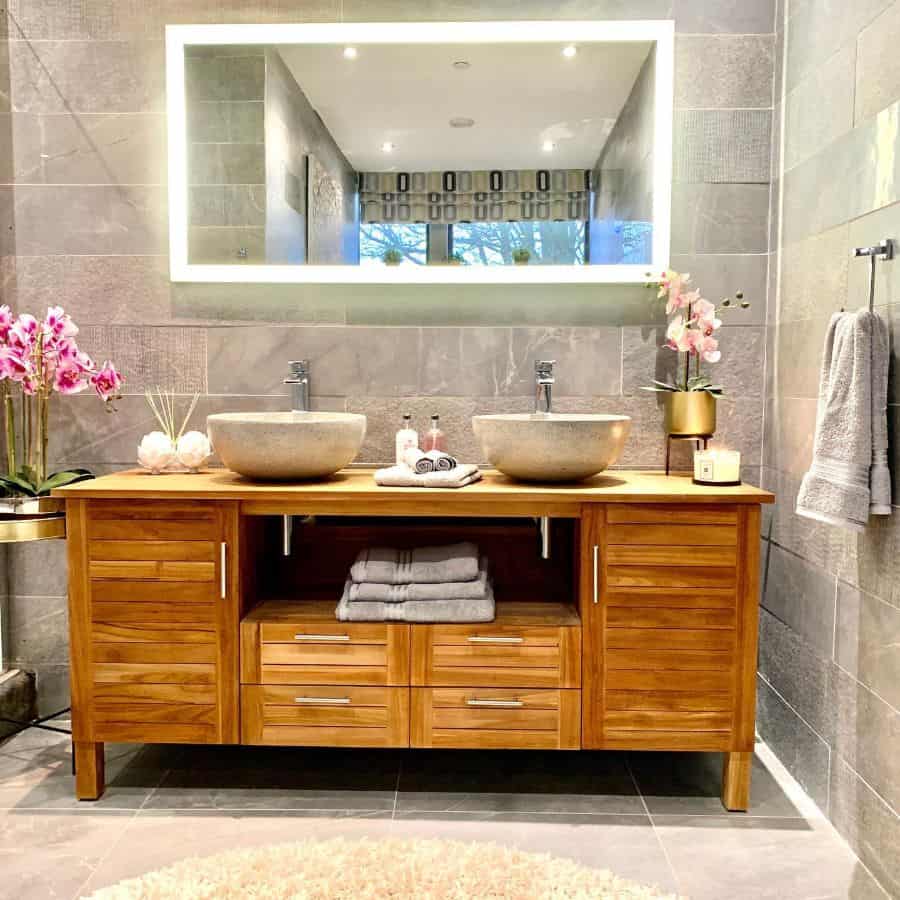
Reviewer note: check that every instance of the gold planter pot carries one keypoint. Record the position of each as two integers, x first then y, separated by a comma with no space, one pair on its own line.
690,413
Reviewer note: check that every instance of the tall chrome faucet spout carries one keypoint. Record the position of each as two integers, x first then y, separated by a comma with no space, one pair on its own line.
299,382
544,381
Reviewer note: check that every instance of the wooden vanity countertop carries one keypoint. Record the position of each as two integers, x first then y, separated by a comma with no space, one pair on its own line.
354,492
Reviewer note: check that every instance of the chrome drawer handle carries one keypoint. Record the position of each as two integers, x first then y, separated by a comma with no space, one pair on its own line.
223,569
501,704
596,574
479,639
330,701
321,637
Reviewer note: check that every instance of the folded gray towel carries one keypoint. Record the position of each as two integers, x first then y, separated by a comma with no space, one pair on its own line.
423,611
418,461
836,489
403,593
426,565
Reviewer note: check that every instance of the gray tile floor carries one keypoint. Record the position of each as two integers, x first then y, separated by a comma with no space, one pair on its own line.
655,817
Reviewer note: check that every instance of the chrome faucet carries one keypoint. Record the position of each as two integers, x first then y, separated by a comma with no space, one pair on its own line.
544,380
299,382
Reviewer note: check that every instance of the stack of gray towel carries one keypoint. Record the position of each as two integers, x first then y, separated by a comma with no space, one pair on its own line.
430,584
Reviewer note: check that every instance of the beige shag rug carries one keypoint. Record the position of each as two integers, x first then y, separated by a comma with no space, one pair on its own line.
342,869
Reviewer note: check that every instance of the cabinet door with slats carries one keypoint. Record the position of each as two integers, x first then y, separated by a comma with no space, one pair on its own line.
669,598
154,619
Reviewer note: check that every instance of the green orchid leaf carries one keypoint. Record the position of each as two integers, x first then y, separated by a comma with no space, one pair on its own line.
18,485
61,479
27,473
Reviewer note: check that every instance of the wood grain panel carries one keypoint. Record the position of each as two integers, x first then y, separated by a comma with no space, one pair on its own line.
496,656
175,551
646,555
662,617
150,673
655,660
672,598
164,615
659,720
669,639
671,577
670,514
327,674
104,632
357,655
130,591
665,681
355,632
662,535
524,719
155,530
156,733
135,713
137,652
157,570
158,693
615,739
136,508
669,701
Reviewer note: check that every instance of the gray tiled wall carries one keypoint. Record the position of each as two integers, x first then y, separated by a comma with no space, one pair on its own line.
85,199
829,648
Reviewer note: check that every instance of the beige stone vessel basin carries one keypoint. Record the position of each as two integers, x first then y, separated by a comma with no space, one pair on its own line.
286,446
554,446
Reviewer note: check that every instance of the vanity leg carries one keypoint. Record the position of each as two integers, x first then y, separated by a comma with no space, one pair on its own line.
736,781
89,776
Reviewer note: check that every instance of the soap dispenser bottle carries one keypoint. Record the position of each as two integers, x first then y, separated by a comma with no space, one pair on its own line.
407,438
435,439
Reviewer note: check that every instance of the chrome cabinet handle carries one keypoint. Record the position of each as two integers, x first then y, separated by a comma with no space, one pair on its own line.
329,701
500,704
487,639
321,637
223,569
596,573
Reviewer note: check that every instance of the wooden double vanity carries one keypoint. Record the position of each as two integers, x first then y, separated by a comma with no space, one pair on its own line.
200,614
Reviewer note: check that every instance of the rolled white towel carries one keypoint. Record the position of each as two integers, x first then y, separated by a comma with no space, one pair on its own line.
441,462
418,461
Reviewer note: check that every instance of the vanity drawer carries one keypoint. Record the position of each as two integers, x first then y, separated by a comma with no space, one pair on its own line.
504,655
495,718
314,715
313,651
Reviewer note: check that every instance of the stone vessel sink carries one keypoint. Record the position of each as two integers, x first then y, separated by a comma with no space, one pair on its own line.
286,446
552,447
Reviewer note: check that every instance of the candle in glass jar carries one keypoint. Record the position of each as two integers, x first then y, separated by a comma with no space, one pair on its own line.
715,466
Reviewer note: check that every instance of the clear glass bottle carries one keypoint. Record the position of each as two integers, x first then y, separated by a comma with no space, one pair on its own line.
435,439
407,438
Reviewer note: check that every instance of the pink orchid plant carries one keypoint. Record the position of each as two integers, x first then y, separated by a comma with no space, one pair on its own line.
691,333
38,357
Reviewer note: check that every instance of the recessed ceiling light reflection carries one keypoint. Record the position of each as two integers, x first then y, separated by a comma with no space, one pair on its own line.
548,146
570,51
388,147
350,52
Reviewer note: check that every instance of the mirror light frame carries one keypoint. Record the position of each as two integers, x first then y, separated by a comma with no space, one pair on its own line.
662,32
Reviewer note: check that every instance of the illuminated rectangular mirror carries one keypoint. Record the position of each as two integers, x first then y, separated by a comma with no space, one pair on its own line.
431,153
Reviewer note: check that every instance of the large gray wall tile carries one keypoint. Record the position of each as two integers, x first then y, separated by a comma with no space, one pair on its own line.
878,66
725,16
810,123
724,71
87,76
90,220
720,218
804,753
814,273
869,825
473,10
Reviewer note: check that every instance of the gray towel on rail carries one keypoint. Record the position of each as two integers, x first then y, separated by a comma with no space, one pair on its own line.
401,593
422,611
836,489
426,565
880,474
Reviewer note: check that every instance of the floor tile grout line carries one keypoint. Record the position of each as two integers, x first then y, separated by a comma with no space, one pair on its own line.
656,834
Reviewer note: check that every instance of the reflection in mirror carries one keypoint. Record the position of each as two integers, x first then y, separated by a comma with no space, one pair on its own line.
516,154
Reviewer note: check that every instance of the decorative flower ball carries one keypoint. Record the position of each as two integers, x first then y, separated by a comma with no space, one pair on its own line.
155,452
193,449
